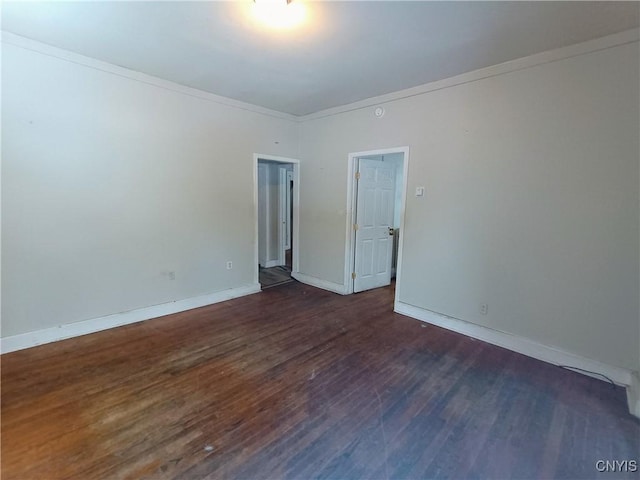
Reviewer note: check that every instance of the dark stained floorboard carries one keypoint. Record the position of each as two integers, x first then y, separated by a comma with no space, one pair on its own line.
296,382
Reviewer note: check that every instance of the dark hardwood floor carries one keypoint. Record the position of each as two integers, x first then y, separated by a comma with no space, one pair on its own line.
296,382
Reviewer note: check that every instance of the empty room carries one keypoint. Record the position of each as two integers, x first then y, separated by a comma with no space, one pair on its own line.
264,239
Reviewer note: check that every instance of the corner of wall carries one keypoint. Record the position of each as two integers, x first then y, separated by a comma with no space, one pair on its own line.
515,343
320,283
633,394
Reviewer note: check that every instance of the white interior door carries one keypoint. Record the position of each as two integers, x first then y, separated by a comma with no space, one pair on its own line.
374,223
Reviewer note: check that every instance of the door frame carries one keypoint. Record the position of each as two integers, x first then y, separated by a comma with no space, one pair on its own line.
352,191
296,210
289,209
283,220
262,167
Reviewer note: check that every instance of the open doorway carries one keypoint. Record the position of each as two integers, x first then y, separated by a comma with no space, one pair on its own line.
375,218
276,200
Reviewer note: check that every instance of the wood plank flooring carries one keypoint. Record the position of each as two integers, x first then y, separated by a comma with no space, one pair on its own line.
296,382
274,276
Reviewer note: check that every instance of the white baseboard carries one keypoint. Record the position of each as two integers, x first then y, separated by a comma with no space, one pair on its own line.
76,329
318,282
552,355
272,263
633,395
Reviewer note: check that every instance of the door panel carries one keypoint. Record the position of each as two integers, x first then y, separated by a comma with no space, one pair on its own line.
368,208
366,259
374,217
383,257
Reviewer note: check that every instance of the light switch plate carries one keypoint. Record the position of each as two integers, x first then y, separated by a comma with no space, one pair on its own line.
419,191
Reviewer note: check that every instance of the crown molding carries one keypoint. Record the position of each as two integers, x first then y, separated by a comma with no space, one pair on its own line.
68,56
602,43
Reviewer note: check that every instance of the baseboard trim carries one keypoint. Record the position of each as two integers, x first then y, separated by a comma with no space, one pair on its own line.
85,327
272,263
522,345
320,283
633,395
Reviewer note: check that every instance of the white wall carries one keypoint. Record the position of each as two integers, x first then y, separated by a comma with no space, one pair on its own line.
531,201
110,181
263,213
274,207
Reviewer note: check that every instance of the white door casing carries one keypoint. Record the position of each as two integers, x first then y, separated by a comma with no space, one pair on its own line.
263,209
374,223
295,216
289,201
283,220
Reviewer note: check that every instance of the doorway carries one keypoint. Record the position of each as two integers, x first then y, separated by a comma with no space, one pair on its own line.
375,218
276,195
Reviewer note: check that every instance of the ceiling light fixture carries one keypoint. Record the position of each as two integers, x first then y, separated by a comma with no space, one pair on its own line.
279,14
272,2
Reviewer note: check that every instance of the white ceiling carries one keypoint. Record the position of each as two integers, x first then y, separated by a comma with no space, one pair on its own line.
347,51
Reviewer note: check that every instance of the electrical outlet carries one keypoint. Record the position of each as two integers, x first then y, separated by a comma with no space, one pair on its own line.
484,309
229,265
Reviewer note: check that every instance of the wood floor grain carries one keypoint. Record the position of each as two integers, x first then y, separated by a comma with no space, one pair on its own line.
296,382
274,276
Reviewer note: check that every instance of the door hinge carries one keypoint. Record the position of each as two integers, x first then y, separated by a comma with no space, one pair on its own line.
355,227
357,175
353,275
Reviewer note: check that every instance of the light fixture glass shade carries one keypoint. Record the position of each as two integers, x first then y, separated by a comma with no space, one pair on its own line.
271,2
279,14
